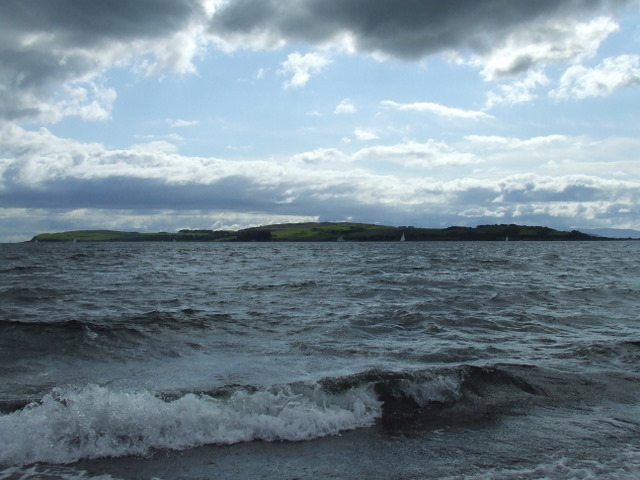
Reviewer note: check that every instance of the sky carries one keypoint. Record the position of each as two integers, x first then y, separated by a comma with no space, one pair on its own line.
158,115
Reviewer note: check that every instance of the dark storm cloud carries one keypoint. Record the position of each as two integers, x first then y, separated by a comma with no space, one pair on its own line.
130,192
44,44
408,29
83,23
47,45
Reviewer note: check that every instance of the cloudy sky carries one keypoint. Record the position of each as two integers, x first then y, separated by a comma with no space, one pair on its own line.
153,115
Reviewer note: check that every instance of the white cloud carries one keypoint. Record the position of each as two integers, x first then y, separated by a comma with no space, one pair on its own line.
544,42
534,143
59,81
155,146
183,123
418,155
320,156
436,109
58,63
41,171
54,67
301,67
612,74
345,106
88,100
35,157
556,155
519,91
364,134
174,54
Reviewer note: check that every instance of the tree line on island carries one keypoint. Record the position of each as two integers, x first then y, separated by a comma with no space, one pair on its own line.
327,232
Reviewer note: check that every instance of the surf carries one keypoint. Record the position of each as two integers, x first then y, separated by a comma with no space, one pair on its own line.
92,421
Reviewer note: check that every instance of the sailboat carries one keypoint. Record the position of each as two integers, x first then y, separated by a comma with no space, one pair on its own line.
402,237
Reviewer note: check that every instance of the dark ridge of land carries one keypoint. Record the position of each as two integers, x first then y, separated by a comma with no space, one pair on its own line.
328,232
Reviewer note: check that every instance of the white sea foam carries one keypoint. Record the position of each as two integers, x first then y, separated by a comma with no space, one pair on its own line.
39,472
441,388
94,421
625,465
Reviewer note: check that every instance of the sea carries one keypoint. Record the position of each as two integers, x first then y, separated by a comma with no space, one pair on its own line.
389,360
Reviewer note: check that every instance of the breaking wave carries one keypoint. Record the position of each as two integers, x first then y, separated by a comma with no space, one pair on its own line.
92,421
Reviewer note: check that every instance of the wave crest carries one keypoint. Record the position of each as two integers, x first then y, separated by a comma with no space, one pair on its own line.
93,421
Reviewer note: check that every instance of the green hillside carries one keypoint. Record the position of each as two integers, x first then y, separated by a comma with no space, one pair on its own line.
325,232
363,232
328,232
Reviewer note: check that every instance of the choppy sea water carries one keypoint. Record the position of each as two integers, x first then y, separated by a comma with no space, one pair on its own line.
497,360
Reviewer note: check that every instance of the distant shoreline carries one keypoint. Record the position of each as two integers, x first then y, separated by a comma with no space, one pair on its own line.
330,232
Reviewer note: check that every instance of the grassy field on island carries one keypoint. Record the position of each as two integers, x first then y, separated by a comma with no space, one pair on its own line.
324,232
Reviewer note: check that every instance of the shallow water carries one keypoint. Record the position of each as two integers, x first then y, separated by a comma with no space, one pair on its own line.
317,360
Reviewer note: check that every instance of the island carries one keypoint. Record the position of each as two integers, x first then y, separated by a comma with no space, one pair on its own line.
328,232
